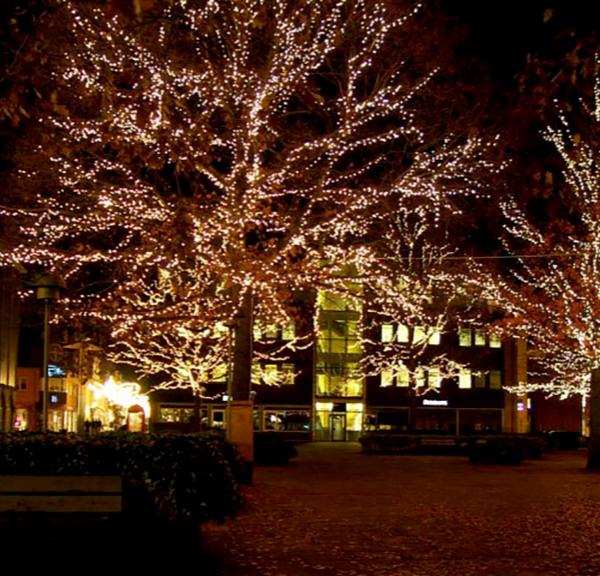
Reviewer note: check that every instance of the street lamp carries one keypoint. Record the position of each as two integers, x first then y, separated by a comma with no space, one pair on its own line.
48,287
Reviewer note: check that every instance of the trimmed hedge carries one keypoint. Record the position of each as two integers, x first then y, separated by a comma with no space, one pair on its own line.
169,478
504,448
385,443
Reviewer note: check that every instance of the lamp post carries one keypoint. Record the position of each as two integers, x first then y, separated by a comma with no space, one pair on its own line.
48,287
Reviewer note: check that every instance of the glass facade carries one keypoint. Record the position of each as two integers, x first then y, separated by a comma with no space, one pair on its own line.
338,380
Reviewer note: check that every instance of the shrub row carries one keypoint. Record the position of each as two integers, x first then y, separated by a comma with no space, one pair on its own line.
390,443
272,448
506,449
501,449
169,478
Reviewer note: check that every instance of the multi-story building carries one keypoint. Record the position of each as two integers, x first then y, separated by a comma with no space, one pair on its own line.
63,399
326,397
9,338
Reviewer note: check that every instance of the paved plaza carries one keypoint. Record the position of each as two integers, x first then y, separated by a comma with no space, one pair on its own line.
335,511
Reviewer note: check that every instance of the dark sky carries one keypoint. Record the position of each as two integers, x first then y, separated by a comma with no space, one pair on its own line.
503,32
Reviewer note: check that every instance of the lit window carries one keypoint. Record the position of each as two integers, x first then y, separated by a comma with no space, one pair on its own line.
387,332
271,332
287,374
434,377
479,338
289,331
495,341
434,339
354,421
402,335
464,378
387,378
495,379
403,377
322,384
269,374
256,332
218,418
464,337
420,377
419,335
479,380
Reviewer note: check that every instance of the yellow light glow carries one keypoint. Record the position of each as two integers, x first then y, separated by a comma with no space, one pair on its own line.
324,406
122,394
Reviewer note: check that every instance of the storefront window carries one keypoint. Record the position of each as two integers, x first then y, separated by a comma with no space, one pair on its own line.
218,418
287,420
175,414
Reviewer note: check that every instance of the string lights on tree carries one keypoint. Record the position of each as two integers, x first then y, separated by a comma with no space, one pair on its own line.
554,301
263,140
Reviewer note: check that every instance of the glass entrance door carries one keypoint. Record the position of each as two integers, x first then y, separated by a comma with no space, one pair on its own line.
337,425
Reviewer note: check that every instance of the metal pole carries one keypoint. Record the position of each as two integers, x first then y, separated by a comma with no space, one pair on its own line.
46,346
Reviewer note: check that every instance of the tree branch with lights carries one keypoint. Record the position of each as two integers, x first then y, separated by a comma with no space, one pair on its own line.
261,138
553,298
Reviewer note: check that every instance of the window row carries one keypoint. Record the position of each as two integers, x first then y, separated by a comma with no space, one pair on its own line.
405,334
431,378
421,334
274,332
273,374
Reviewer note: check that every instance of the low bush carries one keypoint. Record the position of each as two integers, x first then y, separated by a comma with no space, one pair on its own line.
386,443
505,449
168,478
563,440
272,448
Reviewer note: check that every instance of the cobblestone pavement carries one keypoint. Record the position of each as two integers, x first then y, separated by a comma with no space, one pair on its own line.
335,511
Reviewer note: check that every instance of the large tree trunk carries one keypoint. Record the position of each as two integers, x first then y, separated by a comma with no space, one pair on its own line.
240,407
242,351
594,446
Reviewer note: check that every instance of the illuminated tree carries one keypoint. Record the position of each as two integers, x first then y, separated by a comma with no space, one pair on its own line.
176,325
413,293
256,137
554,300
160,328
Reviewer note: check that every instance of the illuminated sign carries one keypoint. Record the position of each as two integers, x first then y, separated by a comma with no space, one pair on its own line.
435,402
520,406
55,371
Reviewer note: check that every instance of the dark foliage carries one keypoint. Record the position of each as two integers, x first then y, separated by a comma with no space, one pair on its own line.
182,479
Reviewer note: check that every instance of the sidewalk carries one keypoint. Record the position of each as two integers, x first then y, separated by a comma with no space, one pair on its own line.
335,511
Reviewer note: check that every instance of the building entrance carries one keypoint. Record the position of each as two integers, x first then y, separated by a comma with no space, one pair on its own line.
337,426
